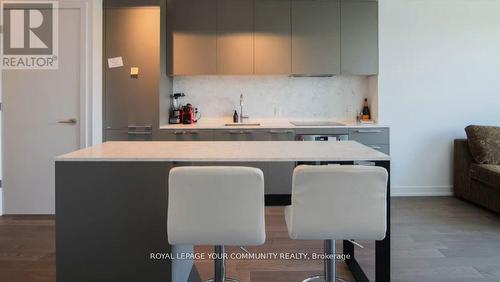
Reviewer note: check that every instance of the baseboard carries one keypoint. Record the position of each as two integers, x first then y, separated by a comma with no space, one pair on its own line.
418,191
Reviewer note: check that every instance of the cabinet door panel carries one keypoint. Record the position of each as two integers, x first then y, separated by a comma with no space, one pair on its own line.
194,52
235,36
315,37
234,52
382,148
370,136
279,175
193,14
235,15
272,47
239,135
130,101
280,135
124,135
193,31
359,37
185,135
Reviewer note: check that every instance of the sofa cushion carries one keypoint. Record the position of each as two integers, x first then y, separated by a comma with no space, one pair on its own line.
484,143
487,174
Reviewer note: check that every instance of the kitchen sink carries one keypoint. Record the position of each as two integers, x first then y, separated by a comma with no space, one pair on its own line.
242,124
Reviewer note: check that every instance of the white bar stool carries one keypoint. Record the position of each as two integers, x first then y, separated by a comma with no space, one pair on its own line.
337,203
220,206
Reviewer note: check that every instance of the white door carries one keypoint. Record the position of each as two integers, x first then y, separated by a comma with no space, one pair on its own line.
39,107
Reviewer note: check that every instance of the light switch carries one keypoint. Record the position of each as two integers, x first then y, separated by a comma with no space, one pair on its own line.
134,71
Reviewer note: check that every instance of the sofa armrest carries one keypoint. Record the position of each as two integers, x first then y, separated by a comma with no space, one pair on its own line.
462,162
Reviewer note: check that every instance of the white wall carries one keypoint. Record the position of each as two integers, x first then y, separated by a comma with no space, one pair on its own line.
439,72
339,97
96,100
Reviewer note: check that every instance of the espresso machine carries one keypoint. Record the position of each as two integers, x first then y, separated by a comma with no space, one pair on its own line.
175,116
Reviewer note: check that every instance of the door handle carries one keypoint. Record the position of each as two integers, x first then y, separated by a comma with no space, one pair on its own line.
68,121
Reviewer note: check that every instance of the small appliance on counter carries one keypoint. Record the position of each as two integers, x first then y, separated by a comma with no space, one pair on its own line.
175,112
189,115
179,114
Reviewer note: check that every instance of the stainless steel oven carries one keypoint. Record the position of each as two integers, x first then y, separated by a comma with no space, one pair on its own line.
322,137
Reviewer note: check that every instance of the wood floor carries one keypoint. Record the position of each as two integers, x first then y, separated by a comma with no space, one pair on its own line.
434,239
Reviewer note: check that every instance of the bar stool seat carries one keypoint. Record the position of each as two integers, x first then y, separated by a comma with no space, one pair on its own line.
337,203
216,205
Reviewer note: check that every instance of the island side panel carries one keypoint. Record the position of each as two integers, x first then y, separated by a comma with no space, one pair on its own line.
109,217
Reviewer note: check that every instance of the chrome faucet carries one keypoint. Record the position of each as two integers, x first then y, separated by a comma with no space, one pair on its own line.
241,109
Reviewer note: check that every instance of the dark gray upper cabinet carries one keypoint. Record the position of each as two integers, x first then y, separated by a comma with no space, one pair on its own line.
235,36
193,14
272,33
192,28
302,37
315,37
359,31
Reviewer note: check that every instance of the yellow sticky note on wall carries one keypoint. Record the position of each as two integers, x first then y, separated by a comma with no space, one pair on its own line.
134,71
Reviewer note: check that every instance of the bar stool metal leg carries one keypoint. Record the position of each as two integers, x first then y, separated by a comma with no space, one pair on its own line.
329,271
329,268
220,266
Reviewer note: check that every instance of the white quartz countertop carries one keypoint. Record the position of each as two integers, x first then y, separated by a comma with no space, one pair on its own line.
230,151
219,123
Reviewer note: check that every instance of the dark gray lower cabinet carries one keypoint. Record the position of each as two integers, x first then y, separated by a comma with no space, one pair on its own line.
278,175
382,148
239,135
126,135
374,137
280,135
184,135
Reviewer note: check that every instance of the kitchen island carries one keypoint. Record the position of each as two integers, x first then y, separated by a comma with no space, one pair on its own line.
111,203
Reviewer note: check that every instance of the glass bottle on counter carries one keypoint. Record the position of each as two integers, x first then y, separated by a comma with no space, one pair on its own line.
235,116
366,111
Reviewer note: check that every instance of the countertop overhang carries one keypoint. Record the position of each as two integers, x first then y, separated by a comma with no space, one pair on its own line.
225,151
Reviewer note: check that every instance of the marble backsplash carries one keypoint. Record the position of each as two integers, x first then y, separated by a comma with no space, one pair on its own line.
338,97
